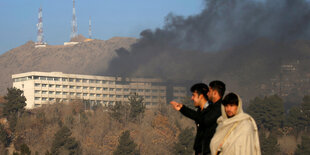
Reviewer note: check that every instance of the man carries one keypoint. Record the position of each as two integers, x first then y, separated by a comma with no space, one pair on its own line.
206,115
237,132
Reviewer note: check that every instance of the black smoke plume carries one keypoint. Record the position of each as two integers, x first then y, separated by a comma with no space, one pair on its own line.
240,41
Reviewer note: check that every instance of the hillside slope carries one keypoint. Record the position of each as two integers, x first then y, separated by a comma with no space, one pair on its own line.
90,57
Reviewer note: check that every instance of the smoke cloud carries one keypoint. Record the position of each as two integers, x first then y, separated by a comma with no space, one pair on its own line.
233,40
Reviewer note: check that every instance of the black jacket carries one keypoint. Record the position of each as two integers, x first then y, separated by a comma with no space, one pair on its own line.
206,124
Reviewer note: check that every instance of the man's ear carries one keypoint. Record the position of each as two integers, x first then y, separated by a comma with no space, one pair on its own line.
201,95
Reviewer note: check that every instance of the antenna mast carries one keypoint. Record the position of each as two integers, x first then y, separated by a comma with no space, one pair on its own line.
40,42
74,24
89,30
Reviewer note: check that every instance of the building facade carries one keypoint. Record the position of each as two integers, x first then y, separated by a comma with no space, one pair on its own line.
51,87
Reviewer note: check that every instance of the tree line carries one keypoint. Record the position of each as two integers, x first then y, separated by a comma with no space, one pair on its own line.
272,120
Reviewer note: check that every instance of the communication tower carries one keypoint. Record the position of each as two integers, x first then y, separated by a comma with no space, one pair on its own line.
40,42
74,24
89,30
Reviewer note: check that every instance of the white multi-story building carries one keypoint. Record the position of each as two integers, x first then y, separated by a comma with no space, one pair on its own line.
50,87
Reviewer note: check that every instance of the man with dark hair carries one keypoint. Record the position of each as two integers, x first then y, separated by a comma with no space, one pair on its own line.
237,132
216,91
206,115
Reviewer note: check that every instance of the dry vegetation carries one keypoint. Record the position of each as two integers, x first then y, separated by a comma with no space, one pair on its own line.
96,131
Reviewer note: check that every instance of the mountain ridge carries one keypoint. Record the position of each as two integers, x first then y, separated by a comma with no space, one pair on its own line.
88,57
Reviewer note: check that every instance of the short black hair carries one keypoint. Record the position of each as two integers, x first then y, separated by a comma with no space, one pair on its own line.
219,86
231,99
201,88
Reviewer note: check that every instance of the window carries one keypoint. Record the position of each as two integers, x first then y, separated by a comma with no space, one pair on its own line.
111,82
44,98
111,89
37,98
71,80
140,90
37,91
91,88
37,84
50,85
84,80
104,82
84,94
111,95
71,87
78,87
58,93
57,86
147,90
65,93
50,78
118,89
78,94
98,102
104,95
42,78
72,93
126,96
85,87
64,79
147,97
44,92
50,92
56,79
44,85
91,81
154,91
77,80
154,97
104,89
162,90
92,94
51,99
97,81
98,88
126,89
98,95
36,77
118,96
133,90
65,86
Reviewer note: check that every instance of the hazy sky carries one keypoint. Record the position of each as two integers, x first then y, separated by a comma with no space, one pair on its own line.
109,18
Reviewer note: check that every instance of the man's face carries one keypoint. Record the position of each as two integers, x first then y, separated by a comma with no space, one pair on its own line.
210,94
231,110
196,98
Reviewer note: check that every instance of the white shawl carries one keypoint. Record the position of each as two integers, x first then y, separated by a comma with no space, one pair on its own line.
243,140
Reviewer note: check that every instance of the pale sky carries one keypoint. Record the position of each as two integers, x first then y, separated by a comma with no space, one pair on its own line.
110,18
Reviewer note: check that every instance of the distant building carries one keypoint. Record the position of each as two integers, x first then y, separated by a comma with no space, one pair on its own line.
50,87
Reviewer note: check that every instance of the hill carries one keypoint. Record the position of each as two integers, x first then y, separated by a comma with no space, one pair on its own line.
91,57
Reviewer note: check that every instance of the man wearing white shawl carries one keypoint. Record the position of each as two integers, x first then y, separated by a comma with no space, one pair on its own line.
236,133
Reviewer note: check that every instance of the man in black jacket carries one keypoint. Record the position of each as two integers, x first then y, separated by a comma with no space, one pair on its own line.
207,113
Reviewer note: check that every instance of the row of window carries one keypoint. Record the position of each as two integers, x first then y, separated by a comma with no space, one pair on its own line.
64,79
91,101
90,94
179,91
97,88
